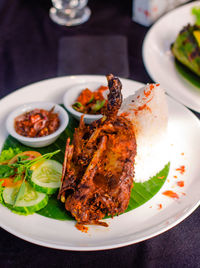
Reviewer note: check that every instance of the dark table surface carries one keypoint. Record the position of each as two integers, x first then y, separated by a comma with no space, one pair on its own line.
28,53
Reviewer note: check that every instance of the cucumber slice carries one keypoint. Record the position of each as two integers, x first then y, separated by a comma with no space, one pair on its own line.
47,177
30,202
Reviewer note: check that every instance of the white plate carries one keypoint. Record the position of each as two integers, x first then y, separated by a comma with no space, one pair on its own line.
137,225
159,61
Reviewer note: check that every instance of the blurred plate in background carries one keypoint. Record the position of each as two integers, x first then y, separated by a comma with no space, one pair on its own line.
159,61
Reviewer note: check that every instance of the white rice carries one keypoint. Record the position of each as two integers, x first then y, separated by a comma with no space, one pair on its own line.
147,110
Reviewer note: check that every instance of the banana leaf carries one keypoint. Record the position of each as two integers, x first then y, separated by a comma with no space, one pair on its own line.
141,192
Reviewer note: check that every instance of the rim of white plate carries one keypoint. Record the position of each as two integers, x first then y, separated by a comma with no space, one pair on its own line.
100,247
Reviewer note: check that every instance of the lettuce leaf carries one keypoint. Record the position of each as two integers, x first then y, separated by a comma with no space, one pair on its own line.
9,154
6,171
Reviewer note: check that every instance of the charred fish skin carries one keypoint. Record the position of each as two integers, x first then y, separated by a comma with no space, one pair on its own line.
114,96
98,169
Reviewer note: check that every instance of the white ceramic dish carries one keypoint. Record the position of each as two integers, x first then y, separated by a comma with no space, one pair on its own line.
39,141
137,225
71,96
159,61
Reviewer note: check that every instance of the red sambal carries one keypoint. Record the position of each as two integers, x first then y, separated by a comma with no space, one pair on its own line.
37,123
90,102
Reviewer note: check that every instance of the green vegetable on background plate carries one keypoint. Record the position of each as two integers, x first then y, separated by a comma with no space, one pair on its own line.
196,13
186,48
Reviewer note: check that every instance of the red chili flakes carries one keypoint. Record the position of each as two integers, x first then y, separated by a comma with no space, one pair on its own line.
157,85
81,228
181,169
125,114
147,93
171,194
138,96
151,86
161,177
175,177
180,183
141,108
159,206
149,99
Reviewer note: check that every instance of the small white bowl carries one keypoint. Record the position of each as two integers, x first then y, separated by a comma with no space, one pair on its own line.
70,98
38,141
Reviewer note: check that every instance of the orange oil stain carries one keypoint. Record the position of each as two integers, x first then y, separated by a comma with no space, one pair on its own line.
171,194
180,183
181,169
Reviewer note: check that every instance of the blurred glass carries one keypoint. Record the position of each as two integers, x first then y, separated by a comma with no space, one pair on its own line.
70,12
